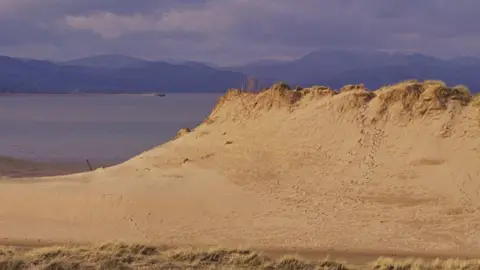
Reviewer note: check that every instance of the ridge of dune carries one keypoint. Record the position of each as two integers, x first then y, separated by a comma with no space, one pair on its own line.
409,97
396,168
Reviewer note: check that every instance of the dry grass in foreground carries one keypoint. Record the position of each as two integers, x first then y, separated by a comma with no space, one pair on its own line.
121,256
418,264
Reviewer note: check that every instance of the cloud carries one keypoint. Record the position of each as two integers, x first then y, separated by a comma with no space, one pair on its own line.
7,6
208,20
110,25
232,31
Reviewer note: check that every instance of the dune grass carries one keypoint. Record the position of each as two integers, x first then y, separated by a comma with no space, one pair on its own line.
122,256
282,86
476,100
418,264
433,89
352,87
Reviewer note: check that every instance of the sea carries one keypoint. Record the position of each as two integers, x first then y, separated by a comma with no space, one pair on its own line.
100,128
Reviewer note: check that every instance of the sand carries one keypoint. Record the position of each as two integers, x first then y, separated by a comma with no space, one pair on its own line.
395,169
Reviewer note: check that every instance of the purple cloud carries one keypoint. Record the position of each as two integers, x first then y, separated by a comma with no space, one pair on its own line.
233,31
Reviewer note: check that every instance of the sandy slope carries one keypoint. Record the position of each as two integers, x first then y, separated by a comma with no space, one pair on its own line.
398,169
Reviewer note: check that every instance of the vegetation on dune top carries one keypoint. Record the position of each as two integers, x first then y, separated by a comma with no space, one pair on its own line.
429,89
476,100
351,87
281,86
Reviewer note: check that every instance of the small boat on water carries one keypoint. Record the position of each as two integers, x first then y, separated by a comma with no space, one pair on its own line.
155,94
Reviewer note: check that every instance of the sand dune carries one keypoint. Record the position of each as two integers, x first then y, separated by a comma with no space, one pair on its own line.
397,168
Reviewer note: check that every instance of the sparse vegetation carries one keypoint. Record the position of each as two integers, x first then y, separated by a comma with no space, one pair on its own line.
183,132
298,88
415,97
122,256
281,86
414,264
320,90
351,87
460,93
476,100
435,82
411,91
320,87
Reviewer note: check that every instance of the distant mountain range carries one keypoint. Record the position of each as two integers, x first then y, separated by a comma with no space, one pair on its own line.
107,61
113,74
334,68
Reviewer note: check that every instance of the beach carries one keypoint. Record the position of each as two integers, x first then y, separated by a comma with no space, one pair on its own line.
389,171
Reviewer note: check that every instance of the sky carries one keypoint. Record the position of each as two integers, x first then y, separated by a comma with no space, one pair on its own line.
231,32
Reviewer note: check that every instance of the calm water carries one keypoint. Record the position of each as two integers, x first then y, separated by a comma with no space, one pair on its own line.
97,127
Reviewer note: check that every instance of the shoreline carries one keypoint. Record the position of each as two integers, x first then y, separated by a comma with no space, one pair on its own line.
82,94
152,94
12,167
